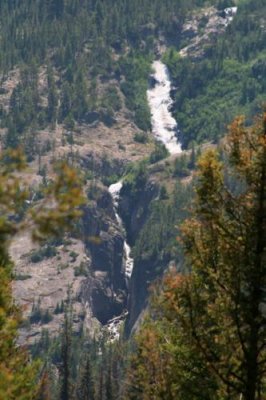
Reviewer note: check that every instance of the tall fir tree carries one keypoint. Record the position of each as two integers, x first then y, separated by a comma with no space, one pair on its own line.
66,354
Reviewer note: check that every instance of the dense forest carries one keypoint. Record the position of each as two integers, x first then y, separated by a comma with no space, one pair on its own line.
189,323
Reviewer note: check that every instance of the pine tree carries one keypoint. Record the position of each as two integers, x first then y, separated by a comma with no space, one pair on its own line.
86,390
66,350
226,245
208,341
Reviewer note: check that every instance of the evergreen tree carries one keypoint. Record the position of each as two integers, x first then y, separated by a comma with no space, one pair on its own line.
209,338
226,246
86,390
66,350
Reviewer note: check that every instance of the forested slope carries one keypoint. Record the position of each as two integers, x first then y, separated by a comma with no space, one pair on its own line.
74,79
79,42
229,79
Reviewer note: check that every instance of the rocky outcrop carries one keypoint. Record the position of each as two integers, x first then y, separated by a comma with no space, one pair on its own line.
202,29
43,281
90,269
144,274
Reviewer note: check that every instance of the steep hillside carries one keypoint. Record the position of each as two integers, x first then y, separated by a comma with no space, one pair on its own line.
73,87
222,76
129,93
74,81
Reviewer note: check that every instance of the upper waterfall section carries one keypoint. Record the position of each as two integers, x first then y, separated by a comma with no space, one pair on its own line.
164,126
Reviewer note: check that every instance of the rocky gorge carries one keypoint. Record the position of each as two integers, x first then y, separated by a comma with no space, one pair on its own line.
98,266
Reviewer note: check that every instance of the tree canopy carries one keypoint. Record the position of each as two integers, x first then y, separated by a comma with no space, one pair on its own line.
206,338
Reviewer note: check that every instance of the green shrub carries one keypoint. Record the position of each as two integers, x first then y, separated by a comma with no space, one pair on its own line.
43,253
38,315
159,153
81,270
60,307
141,137
21,277
73,256
181,167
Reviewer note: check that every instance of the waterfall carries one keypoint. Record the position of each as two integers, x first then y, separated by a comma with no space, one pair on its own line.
164,126
230,13
164,129
115,190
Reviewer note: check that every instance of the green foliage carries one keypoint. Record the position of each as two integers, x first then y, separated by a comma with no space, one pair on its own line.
156,240
135,178
81,270
228,81
181,166
136,68
109,180
38,315
22,277
159,153
141,137
111,100
204,338
59,308
86,387
52,97
43,253
222,4
73,255
163,193
77,40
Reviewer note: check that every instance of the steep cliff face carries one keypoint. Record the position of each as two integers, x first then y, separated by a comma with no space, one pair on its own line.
154,203
105,290
136,209
145,273
134,206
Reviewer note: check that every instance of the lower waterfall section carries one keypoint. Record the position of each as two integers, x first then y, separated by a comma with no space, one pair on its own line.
115,190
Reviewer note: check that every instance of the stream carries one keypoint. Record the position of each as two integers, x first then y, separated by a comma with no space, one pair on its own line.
114,190
164,129
164,126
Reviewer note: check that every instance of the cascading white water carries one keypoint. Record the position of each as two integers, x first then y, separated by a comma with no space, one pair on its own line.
164,126
115,190
164,129
230,13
